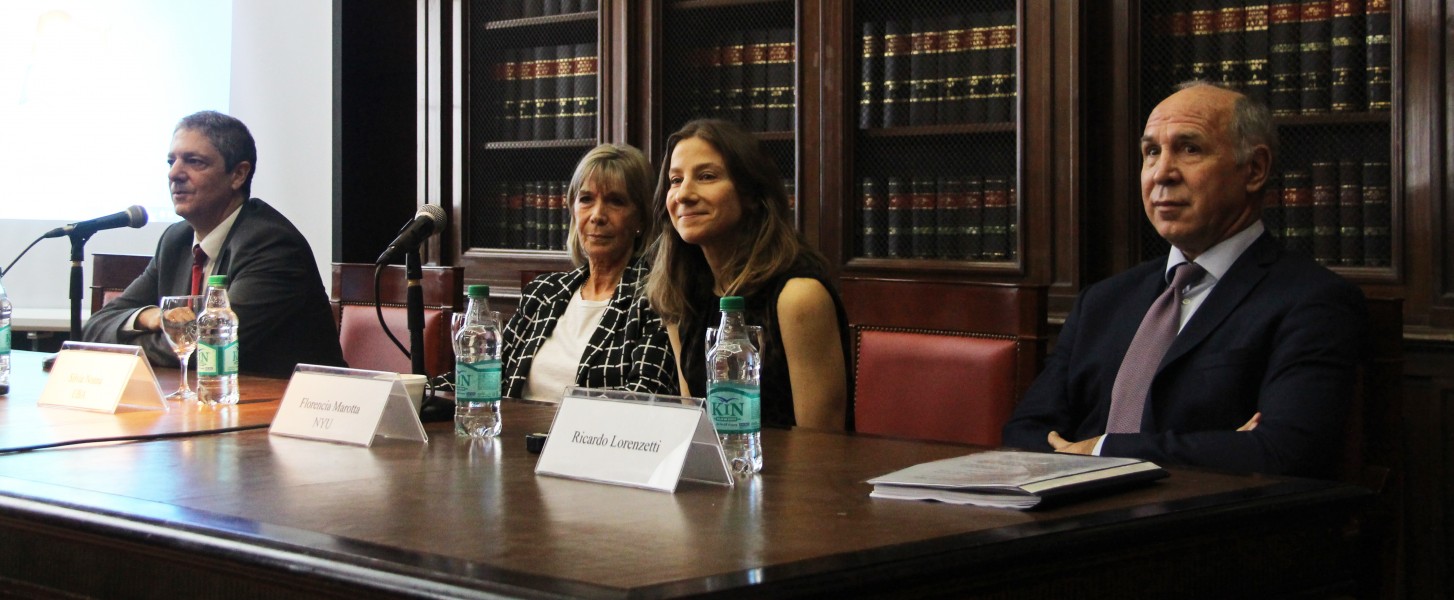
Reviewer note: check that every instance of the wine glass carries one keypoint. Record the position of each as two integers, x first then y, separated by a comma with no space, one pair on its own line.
179,322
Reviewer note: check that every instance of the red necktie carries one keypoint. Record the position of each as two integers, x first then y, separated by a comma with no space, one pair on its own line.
1143,357
199,260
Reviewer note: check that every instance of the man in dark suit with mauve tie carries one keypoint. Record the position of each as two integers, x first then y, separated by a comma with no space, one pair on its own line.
272,282
1261,372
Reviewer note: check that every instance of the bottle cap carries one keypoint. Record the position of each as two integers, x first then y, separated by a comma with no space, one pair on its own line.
732,303
216,281
478,291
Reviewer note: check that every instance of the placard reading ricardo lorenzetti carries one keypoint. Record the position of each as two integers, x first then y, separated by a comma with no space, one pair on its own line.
636,440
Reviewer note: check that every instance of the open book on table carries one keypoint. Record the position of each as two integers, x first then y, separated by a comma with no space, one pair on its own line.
1010,479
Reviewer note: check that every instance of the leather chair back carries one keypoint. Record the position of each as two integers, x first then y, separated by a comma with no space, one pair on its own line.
944,362
111,273
365,345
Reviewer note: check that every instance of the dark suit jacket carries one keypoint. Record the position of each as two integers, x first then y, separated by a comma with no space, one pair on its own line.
272,282
1278,334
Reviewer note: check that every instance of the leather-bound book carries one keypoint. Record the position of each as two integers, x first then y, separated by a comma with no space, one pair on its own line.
589,5
507,92
923,70
545,102
953,65
873,218
568,7
1377,249
1284,58
1002,39
515,217
1346,88
1230,25
949,217
584,121
734,59
1012,219
900,229
754,85
977,90
1380,54
1297,210
565,91
972,237
896,74
717,74
1272,215
1325,212
791,190
1350,212
1204,56
1179,54
532,8
996,217
925,234
497,218
533,214
525,100
1315,37
1254,41
550,7
870,76
782,90
554,238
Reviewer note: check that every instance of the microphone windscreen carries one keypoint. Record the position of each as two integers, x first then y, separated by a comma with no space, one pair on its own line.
136,216
436,214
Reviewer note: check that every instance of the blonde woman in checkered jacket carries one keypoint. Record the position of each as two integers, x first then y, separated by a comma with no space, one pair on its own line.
591,326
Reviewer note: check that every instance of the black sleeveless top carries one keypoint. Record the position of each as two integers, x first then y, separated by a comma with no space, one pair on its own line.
777,390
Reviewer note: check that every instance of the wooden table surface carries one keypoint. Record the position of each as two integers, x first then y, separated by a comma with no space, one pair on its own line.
241,514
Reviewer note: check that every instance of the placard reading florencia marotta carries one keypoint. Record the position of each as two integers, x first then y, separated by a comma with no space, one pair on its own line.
349,406
1009,479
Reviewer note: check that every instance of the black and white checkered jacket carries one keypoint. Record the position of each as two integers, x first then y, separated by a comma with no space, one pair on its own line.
629,350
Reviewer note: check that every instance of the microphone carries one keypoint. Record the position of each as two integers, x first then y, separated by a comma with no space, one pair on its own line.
429,220
133,217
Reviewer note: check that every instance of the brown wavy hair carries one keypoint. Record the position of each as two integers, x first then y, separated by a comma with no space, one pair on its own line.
767,243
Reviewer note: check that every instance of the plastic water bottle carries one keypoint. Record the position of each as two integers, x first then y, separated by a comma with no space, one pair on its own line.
734,392
4,341
217,346
477,347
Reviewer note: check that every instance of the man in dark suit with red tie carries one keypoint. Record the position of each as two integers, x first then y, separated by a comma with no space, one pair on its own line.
1248,362
272,282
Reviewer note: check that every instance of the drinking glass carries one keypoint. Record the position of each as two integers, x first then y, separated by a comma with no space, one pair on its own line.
179,322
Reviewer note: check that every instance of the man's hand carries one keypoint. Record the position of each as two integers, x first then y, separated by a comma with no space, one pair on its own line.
149,319
1251,424
1081,447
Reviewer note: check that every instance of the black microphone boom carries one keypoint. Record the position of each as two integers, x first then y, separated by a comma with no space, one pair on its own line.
429,220
133,217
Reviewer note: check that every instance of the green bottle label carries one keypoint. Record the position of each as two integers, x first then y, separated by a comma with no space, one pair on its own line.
216,361
5,339
735,407
477,381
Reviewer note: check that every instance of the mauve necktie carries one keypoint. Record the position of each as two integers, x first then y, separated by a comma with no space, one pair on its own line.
1158,329
199,260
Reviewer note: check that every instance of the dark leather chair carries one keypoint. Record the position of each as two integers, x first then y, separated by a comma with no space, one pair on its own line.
946,364
1372,449
111,273
365,345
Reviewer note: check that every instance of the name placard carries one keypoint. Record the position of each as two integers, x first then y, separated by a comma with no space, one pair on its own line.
101,378
348,406
636,440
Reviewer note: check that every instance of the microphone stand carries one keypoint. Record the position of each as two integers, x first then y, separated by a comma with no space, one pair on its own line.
414,309
78,256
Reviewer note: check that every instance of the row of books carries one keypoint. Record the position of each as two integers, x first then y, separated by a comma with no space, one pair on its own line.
523,9
945,218
1308,57
1336,212
928,71
527,215
541,93
535,215
744,76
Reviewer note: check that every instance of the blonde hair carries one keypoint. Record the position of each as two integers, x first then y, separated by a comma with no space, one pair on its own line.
767,243
613,166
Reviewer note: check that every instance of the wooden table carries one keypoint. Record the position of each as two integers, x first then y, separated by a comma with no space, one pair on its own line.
248,515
